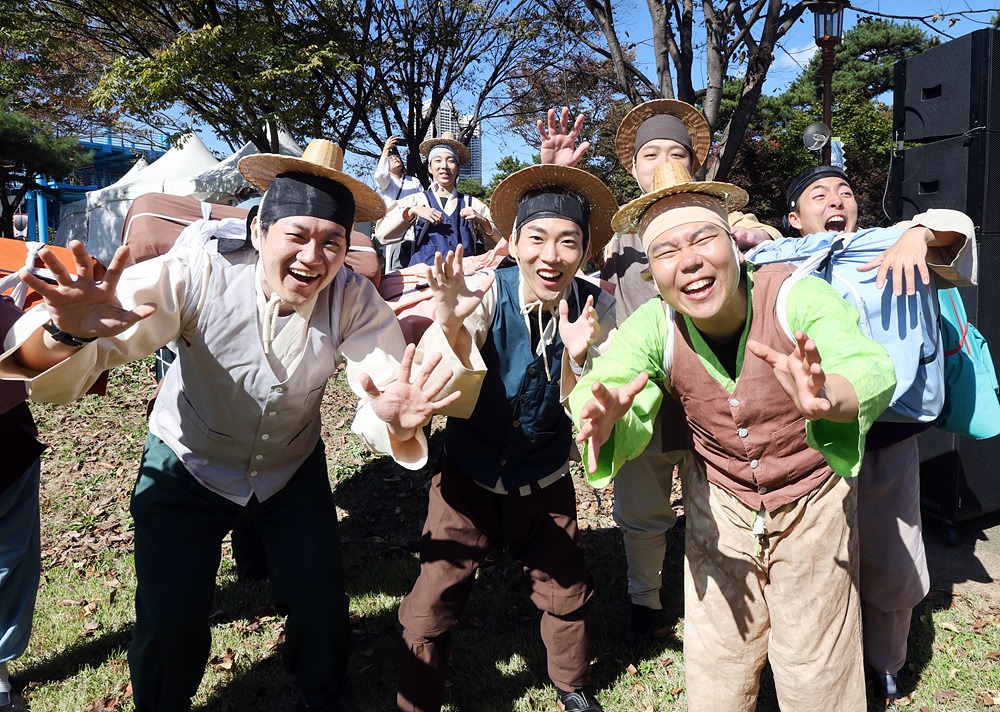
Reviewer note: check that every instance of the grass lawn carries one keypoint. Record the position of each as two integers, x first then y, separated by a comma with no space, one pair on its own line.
76,660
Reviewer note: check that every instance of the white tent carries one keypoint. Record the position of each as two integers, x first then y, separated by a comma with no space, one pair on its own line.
188,169
104,213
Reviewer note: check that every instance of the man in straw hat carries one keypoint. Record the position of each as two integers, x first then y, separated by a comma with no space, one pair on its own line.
778,387
651,134
235,432
516,339
441,217
893,565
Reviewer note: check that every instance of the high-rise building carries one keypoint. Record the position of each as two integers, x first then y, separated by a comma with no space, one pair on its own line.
448,119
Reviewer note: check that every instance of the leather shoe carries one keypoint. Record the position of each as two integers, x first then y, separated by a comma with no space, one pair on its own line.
639,631
578,701
11,702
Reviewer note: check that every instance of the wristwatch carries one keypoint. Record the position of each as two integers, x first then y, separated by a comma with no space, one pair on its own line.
63,338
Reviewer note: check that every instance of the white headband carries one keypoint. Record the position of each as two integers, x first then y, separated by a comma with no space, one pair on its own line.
679,209
442,148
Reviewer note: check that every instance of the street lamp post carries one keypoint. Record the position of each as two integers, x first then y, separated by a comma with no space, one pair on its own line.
829,25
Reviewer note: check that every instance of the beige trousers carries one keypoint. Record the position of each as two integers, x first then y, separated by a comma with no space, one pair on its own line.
788,594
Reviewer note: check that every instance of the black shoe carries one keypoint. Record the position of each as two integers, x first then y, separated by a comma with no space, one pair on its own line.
11,702
888,687
639,631
578,701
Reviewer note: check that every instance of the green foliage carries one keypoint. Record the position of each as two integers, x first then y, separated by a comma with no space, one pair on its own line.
29,148
505,167
473,187
770,158
863,62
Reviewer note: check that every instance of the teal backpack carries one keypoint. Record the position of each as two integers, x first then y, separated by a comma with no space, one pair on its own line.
971,406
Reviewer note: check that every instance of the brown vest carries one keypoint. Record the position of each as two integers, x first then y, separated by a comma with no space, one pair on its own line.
752,441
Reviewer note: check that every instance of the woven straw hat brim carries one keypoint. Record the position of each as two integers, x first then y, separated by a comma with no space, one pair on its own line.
692,119
464,155
627,219
262,168
507,195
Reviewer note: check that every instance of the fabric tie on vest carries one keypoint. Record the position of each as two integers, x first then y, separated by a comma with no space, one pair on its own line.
274,304
546,331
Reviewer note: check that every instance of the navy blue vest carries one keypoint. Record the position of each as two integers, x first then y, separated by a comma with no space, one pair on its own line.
442,237
518,432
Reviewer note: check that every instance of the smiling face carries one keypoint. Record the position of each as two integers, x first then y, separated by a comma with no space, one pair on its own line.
828,205
444,169
697,271
300,255
549,251
655,153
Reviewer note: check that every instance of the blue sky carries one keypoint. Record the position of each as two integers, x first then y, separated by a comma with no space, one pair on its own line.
797,47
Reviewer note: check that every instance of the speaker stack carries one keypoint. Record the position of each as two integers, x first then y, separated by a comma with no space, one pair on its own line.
946,107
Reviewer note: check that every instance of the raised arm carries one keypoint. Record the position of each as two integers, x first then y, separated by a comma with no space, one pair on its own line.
81,308
558,141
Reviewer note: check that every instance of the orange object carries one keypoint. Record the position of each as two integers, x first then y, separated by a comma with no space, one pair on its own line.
13,253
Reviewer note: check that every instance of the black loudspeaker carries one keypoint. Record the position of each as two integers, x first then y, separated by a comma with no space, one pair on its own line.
949,89
960,477
961,173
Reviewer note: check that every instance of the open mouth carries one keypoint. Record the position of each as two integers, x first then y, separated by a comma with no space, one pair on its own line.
837,223
303,276
549,277
699,287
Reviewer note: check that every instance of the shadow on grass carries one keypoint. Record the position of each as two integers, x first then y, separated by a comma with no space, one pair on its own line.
76,659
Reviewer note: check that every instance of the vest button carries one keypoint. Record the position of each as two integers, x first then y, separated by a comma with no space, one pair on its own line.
254,473
265,436
531,371
762,490
259,457
743,432
516,423
279,389
273,413
734,402
753,464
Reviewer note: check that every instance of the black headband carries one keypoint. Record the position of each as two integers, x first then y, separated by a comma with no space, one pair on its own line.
809,176
663,126
554,203
304,194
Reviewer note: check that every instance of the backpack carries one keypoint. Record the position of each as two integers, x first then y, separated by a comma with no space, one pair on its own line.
971,407
907,325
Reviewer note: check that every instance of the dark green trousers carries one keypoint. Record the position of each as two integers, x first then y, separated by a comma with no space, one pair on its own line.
179,528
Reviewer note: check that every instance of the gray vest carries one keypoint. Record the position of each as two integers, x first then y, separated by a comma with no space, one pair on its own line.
235,426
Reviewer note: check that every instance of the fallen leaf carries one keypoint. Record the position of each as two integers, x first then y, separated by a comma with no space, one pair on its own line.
984,699
631,669
945,696
949,626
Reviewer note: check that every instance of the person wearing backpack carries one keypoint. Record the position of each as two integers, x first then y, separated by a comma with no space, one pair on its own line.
894,576
778,404
441,218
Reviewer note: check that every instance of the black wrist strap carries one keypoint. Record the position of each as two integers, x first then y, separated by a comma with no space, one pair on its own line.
63,338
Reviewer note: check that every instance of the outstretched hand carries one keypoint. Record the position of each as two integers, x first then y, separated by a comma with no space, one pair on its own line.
453,300
599,415
905,260
799,373
406,406
578,336
81,305
558,141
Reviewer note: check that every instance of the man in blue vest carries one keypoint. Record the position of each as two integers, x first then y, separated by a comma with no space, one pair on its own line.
235,433
441,217
516,339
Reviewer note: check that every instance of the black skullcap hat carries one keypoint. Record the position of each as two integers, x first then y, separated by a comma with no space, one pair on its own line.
809,176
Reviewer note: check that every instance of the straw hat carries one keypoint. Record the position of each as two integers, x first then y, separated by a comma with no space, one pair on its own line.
321,158
448,139
694,122
507,195
670,179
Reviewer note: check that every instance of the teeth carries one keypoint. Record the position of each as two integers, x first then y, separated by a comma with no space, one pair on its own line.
549,275
303,273
697,285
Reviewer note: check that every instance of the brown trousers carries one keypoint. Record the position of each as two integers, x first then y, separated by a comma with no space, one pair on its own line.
464,523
